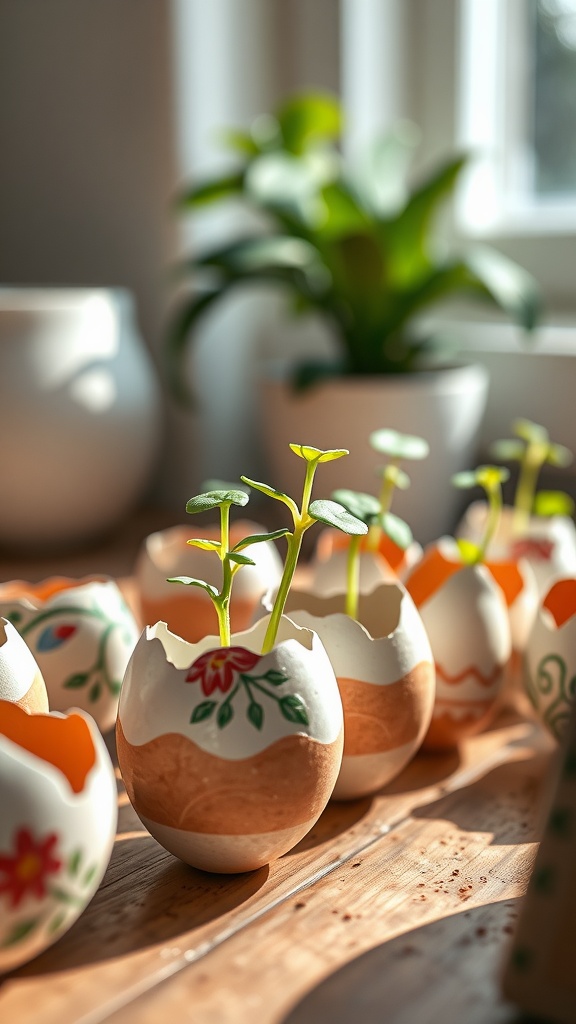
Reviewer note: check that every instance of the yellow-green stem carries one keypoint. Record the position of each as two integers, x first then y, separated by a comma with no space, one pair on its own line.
494,510
222,604
353,577
385,499
526,488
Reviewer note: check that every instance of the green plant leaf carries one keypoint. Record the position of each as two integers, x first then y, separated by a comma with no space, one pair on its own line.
190,581
212,191
360,505
470,553
333,514
215,499
530,432
309,118
202,711
380,174
311,454
396,476
271,492
235,556
397,445
397,530
553,503
511,287
204,544
258,538
488,477
255,714
294,709
559,455
508,450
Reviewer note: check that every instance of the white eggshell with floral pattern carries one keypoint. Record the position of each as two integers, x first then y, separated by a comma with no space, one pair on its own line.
385,671
188,611
57,826
229,756
21,680
550,656
81,633
466,618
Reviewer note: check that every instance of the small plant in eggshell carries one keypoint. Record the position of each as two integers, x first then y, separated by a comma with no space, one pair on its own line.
533,449
375,511
331,513
490,478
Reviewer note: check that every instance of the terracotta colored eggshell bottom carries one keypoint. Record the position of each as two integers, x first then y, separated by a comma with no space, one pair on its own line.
447,731
193,618
363,774
283,789
223,854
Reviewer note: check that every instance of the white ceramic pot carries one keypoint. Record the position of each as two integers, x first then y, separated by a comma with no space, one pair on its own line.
385,671
549,545
466,618
79,413
21,680
444,406
57,826
550,657
81,634
188,611
229,757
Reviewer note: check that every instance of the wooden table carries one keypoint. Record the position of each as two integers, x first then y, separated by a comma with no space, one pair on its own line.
399,908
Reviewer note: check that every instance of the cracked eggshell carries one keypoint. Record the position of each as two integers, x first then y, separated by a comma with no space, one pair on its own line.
465,615
550,657
388,564
57,827
229,756
21,680
188,611
385,671
81,633
549,544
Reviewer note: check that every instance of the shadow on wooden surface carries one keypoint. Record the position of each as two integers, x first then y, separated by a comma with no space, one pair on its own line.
412,979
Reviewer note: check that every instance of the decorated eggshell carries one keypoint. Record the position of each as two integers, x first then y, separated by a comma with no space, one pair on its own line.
21,680
465,615
81,633
229,756
387,564
550,657
517,581
549,544
57,826
385,671
188,611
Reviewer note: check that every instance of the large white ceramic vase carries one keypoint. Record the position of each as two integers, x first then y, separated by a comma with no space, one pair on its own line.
79,413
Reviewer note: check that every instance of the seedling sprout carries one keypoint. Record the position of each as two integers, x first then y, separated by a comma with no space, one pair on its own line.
491,479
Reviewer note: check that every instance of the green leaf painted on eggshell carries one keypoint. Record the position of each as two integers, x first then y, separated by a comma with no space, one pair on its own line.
76,681
361,505
333,514
256,714
225,715
215,499
553,503
274,677
202,711
397,445
190,581
293,709
311,454
20,931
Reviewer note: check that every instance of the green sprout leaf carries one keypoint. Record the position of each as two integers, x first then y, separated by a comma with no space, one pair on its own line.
491,479
508,450
559,455
333,514
553,503
310,454
258,538
204,544
397,530
488,477
363,506
190,581
396,476
470,553
271,492
215,499
397,445
235,556
531,433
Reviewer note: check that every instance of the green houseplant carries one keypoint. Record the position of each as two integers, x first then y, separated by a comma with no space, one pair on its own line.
352,241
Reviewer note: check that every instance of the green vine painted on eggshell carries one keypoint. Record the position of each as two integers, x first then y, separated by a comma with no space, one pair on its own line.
552,676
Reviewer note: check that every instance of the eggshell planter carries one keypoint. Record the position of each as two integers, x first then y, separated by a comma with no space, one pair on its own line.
550,657
517,581
188,611
385,671
549,545
388,563
466,618
81,634
21,680
57,826
229,756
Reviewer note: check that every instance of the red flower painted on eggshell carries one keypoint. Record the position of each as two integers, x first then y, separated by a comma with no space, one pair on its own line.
25,871
215,669
537,548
